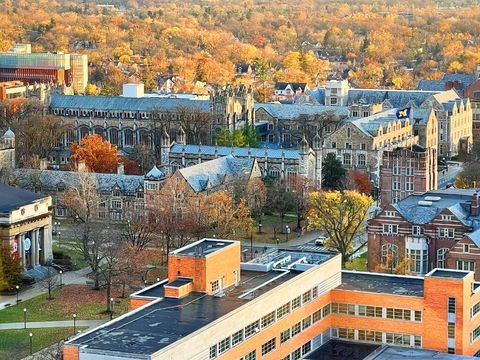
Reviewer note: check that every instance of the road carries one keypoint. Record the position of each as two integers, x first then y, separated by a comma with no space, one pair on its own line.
446,177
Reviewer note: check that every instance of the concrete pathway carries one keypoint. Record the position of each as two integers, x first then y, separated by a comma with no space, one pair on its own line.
53,324
68,278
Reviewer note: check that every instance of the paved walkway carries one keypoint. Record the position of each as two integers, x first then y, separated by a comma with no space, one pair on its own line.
68,278
53,324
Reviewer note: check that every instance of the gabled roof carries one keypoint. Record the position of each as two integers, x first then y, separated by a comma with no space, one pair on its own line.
293,111
455,200
369,125
105,103
155,174
295,86
213,173
290,154
463,80
51,179
12,198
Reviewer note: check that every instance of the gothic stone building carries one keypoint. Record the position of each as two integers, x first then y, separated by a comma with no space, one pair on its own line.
429,230
129,121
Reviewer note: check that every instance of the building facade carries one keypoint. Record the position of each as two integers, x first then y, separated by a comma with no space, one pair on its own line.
26,225
284,305
7,154
425,229
405,171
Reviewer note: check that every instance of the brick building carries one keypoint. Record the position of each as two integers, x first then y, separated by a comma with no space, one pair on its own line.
428,229
287,304
405,171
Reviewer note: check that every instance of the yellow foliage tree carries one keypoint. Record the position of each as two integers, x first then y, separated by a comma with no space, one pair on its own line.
342,216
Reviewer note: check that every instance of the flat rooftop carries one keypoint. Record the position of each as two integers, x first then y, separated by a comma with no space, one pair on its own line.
449,274
382,283
162,323
203,247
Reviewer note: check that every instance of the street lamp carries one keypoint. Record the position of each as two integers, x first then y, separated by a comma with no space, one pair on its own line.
158,280
31,343
17,288
74,324
59,240
287,228
111,308
24,318
61,272
260,227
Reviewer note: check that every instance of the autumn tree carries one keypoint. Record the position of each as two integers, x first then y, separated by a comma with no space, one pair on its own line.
279,200
98,154
10,268
256,196
301,188
359,181
342,216
140,229
333,172
393,264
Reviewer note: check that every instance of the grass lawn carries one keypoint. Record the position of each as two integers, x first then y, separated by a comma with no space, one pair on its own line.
268,223
82,300
359,263
15,344
77,259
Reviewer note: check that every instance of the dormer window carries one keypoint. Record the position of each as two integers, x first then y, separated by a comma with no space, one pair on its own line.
116,192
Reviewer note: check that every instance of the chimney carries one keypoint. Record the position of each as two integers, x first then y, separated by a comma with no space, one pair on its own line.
474,206
121,169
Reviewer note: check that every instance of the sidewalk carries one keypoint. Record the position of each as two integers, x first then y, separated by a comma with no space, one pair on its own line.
53,324
68,278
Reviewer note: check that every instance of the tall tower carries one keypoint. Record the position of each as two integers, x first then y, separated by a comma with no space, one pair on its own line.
317,149
304,157
181,136
165,149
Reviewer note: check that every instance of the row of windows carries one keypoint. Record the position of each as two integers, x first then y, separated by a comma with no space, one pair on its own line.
350,146
475,309
397,186
376,311
377,336
267,320
417,230
301,351
296,329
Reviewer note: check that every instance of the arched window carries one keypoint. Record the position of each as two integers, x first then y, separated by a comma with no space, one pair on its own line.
144,137
113,136
84,131
274,172
361,160
390,255
128,133
441,256
98,130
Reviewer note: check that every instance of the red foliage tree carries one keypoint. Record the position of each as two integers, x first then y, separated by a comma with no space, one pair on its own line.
358,180
97,153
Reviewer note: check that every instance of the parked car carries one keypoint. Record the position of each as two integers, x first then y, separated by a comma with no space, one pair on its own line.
320,241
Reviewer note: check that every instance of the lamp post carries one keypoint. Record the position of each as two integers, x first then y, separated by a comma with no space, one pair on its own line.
24,318
287,231
61,272
260,227
74,324
111,308
31,343
17,288
59,240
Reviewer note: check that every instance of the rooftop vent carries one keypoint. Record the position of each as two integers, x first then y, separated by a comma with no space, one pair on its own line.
425,203
433,198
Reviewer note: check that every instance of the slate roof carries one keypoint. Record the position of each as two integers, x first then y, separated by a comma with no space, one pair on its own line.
370,124
397,98
419,116
52,179
456,200
464,80
105,103
289,154
155,174
12,198
213,173
293,111
475,237
318,94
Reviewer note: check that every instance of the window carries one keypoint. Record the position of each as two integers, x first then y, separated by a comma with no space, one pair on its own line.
347,159
417,340
362,310
334,145
441,256
349,132
284,336
390,229
409,171
286,127
215,286
390,213
296,303
446,232
268,346
306,297
252,329
466,248
283,310
418,260
237,337
116,204
361,160
475,333
317,316
354,113
396,185
326,310
366,113
306,348
224,345
446,217
451,330
363,146
268,319
451,305
396,170
333,101
297,354
475,309
306,322
213,351
315,292
417,230
409,186
418,315
270,126
465,265
348,146
252,355
296,329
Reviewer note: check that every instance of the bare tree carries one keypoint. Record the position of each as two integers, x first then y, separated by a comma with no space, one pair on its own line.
140,231
50,282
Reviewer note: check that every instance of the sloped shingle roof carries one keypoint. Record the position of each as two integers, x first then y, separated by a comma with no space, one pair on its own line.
293,111
289,154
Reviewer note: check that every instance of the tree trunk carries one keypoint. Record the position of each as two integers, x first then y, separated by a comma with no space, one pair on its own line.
123,289
96,286
108,285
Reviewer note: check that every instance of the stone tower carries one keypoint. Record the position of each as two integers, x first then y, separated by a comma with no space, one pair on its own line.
165,149
317,149
181,137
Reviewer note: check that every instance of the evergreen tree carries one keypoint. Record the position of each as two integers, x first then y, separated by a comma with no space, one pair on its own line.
224,138
333,173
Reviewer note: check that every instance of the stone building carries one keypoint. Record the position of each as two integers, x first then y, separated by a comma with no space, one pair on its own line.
7,153
129,121
428,229
26,225
405,171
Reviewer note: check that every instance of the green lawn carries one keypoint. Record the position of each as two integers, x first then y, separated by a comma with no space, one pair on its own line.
77,259
88,304
15,344
268,223
359,263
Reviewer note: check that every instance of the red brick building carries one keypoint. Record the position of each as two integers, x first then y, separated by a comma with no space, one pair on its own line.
429,229
405,171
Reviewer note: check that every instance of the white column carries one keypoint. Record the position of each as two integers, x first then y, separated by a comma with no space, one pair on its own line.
21,249
36,233
47,244
33,249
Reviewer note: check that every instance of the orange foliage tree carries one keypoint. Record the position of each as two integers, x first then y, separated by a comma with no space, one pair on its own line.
97,153
358,180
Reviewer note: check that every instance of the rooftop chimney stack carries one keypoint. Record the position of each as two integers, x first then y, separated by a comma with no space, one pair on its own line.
474,207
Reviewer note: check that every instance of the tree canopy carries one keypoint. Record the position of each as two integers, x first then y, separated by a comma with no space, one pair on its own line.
333,173
97,154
